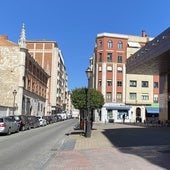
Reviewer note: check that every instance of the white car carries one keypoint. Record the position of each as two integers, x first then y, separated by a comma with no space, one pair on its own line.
42,121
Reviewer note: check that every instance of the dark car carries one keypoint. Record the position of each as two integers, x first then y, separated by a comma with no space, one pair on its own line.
33,121
48,119
23,122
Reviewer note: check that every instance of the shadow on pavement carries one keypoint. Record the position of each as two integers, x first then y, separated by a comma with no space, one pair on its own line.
152,144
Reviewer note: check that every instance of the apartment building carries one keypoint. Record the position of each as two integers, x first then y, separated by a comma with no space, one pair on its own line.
132,95
23,81
49,56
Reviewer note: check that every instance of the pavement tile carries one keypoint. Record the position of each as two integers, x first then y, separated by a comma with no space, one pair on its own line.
97,153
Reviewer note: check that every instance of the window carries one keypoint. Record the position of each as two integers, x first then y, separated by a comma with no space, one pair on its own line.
119,59
108,97
109,82
100,43
120,45
109,68
100,57
100,83
145,96
119,83
155,85
132,96
133,83
119,69
100,68
155,98
109,57
109,44
145,84
119,97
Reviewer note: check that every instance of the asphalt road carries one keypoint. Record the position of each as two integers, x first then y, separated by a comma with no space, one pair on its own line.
30,150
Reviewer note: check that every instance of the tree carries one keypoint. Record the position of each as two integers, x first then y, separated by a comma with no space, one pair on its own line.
79,99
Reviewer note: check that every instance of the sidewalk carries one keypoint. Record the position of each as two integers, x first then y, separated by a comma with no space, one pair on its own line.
96,153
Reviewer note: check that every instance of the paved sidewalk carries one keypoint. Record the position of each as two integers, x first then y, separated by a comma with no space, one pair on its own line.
97,153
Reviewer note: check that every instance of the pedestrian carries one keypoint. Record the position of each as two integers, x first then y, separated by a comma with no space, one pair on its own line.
123,118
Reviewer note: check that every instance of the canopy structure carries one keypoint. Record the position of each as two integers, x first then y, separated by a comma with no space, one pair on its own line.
152,110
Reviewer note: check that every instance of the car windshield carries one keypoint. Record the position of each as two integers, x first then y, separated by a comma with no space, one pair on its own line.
1,120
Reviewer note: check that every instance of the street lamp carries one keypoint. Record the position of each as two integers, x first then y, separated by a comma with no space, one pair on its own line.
88,115
14,94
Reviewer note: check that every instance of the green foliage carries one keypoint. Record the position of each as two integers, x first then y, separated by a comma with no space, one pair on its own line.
80,96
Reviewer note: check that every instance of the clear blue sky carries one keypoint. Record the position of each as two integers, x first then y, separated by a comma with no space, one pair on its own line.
74,24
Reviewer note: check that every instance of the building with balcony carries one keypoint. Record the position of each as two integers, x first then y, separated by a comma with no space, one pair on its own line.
129,94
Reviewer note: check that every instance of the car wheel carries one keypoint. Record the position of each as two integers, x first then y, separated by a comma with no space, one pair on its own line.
23,128
9,131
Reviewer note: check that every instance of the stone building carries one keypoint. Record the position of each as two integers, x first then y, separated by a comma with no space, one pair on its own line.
23,81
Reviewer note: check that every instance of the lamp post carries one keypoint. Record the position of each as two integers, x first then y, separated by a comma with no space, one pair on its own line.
88,115
14,94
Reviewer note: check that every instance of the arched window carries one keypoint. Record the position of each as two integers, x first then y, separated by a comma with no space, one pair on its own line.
109,44
120,44
100,44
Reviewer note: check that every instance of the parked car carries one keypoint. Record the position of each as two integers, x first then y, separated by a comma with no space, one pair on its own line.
42,121
48,119
33,121
8,125
23,122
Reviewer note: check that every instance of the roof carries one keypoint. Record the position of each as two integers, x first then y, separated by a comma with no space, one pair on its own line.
5,42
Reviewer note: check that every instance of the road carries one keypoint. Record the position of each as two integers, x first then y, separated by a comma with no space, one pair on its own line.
30,150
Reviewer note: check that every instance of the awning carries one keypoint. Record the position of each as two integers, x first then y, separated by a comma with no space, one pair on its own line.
152,110
134,44
118,107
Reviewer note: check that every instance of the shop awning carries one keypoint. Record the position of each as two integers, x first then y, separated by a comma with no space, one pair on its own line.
118,107
152,110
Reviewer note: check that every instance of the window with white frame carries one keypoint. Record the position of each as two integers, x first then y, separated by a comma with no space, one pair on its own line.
120,45
109,57
119,58
100,68
109,82
119,97
109,44
99,83
109,68
108,97
132,96
119,69
100,44
155,98
145,96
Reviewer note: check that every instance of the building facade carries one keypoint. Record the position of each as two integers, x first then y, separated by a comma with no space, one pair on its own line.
49,56
132,95
23,81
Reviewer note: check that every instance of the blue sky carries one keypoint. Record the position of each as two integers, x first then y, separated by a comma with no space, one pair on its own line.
74,24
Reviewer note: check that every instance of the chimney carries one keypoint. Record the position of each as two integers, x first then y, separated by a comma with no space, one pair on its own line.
3,37
144,33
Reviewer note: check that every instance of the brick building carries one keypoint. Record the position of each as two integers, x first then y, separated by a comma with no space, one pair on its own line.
49,56
132,95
